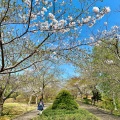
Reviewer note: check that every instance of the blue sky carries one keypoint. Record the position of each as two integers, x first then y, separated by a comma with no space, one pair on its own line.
68,71
113,18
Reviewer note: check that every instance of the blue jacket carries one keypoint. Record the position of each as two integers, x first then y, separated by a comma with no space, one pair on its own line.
40,105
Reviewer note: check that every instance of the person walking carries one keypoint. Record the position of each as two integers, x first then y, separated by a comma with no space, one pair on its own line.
40,106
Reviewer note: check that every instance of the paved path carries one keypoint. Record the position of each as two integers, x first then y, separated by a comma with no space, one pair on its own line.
30,115
102,115
92,109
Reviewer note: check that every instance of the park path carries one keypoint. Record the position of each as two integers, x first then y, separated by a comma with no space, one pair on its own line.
102,115
30,115
99,113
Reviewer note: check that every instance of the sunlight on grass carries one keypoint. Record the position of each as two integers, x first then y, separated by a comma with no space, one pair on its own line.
12,110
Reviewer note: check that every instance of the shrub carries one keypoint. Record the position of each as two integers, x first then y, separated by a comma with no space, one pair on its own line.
60,114
64,100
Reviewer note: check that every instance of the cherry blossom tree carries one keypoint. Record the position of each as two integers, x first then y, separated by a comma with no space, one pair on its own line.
10,84
110,38
39,79
42,21
103,65
41,27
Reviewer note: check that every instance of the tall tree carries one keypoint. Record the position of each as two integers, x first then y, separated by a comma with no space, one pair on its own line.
106,67
44,23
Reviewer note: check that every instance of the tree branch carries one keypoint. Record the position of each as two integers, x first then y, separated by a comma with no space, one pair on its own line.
21,69
2,52
5,12
27,27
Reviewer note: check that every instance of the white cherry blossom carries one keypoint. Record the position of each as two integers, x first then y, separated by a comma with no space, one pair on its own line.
105,23
96,9
107,9
70,18
54,20
42,13
51,16
44,9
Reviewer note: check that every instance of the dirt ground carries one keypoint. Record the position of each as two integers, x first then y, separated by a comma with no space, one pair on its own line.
92,109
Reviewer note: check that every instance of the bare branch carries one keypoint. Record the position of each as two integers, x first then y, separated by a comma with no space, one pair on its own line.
22,68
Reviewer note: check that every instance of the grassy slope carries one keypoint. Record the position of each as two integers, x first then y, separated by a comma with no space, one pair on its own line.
12,110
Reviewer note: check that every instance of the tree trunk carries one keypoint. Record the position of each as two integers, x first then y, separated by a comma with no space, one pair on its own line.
42,93
36,100
1,105
30,98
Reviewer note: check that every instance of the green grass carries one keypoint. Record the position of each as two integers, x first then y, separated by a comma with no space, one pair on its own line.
58,114
12,110
108,107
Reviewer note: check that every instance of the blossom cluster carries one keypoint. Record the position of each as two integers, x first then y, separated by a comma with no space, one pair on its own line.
99,14
50,22
112,34
109,61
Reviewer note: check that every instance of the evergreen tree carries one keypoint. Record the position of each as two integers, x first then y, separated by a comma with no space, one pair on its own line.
64,100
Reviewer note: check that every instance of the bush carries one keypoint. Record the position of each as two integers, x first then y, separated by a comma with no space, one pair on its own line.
65,108
61,114
64,100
